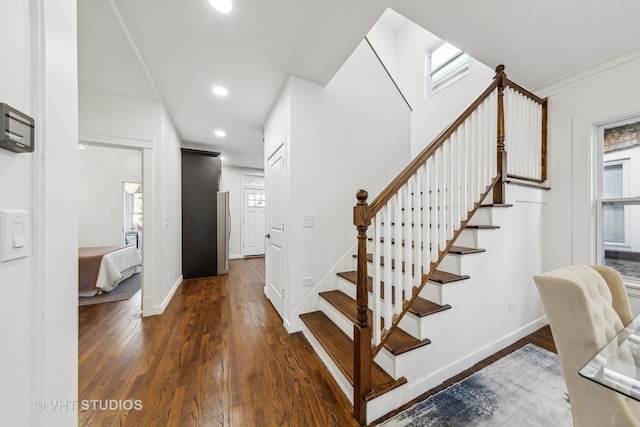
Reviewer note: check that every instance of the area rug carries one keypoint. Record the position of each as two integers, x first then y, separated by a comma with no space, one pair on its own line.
524,388
125,290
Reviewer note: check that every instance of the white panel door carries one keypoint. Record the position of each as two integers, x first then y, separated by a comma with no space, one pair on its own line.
275,186
253,228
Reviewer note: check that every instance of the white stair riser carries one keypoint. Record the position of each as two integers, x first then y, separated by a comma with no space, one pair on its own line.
483,216
459,264
443,293
337,317
402,364
423,327
476,238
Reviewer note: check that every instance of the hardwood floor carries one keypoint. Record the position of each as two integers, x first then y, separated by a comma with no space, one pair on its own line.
218,356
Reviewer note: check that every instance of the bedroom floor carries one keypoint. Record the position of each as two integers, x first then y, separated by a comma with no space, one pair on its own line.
218,356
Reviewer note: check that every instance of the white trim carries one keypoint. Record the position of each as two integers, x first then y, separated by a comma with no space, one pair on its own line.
100,138
589,73
585,230
159,309
242,211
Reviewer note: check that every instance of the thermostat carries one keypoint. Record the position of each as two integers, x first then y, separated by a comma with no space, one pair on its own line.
16,130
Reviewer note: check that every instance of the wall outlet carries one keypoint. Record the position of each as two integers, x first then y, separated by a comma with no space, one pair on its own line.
512,307
170,276
308,281
308,220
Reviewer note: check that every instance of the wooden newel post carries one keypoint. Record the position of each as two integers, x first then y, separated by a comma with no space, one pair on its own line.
499,189
361,330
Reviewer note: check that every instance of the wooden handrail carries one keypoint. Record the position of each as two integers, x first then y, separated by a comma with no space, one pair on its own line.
518,88
388,73
413,167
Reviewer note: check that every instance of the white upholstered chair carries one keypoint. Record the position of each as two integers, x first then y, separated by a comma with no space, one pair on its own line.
587,306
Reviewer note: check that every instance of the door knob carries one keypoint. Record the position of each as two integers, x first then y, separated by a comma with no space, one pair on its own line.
268,236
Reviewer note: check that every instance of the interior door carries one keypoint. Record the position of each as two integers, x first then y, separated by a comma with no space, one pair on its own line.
254,222
275,185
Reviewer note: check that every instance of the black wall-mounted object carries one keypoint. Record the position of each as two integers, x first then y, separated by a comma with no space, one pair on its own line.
200,172
16,130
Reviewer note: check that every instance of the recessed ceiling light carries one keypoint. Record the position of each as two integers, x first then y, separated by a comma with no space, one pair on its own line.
221,157
223,6
220,91
220,133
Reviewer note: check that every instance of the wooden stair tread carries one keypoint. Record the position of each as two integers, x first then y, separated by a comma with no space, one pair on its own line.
496,205
461,250
399,342
445,277
420,307
340,348
482,227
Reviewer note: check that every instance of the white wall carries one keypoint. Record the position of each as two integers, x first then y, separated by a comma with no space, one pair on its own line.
115,119
604,93
16,192
351,134
404,52
101,174
38,312
431,115
231,181
167,217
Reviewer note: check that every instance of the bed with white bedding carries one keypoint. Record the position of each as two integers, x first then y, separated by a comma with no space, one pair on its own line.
101,269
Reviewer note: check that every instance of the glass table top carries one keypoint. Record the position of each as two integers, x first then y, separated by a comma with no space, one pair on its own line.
617,365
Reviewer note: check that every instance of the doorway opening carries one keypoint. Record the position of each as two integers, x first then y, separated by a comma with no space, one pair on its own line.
110,224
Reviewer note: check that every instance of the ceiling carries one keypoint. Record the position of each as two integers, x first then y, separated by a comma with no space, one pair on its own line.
176,51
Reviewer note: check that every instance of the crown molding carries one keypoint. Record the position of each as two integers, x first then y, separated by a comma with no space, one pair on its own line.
590,73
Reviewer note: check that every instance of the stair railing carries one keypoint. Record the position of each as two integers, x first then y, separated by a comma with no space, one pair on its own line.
420,214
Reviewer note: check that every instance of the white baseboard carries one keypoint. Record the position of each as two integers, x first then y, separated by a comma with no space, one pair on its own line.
159,309
235,256
417,388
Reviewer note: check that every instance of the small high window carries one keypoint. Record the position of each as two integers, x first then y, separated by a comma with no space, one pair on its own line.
446,64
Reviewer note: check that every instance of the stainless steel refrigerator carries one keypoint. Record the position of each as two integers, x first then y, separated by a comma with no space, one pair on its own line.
224,232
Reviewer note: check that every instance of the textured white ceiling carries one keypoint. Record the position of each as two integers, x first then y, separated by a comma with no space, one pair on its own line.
187,47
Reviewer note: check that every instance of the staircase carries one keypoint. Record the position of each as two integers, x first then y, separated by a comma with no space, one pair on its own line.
373,328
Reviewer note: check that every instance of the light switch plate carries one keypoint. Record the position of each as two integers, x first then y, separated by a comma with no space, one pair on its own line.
15,238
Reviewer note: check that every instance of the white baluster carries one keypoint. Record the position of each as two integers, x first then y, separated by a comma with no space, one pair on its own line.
388,255
434,209
417,229
377,274
455,179
397,282
409,244
441,208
